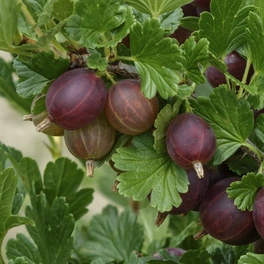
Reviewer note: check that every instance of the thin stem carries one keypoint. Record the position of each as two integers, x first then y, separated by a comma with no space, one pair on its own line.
125,58
244,79
30,19
255,150
188,107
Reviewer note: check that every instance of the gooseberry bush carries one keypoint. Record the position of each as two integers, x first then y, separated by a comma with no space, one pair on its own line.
160,103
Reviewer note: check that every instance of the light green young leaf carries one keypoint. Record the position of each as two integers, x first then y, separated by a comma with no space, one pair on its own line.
149,172
96,61
244,192
251,258
255,42
149,51
231,119
63,178
111,229
93,21
224,26
22,246
157,7
195,54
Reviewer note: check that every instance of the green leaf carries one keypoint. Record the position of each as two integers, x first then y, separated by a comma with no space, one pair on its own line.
9,11
227,254
62,9
99,24
157,7
53,229
22,246
133,259
165,115
6,152
8,184
231,119
260,5
259,128
195,54
182,227
99,261
255,40
251,258
153,235
63,178
29,173
195,257
37,72
149,172
244,192
170,21
149,51
224,26
8,87
19,260
96,61
122,235
242,164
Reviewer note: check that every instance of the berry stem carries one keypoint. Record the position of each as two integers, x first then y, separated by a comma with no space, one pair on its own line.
255,150
89,168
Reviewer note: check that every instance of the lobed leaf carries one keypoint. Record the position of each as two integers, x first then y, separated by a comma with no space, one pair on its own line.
62,178
157,7
93,21
22,246
224,26
228,254
111,229
244,192
53,229
149,51
255,40
149,172
195,257
8,181
231,119
37,72
195,54
251,258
